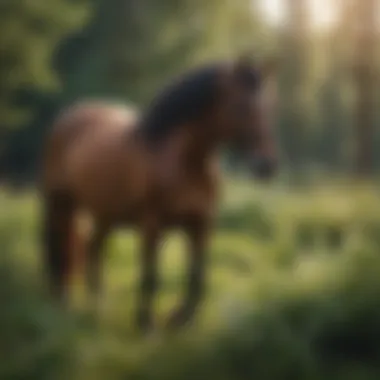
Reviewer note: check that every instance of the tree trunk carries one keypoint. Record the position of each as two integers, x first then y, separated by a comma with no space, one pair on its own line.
364,77
295,43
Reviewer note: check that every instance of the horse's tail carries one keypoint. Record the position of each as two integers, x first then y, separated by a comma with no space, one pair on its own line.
58,234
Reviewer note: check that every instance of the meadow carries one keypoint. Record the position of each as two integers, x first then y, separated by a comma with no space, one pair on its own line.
293,293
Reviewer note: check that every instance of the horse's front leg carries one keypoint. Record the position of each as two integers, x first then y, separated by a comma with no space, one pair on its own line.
94,269
150,236
198,234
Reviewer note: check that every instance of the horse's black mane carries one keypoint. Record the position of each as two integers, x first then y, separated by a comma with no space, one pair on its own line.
186,100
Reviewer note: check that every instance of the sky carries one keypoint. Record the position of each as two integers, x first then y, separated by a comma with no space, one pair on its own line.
322,12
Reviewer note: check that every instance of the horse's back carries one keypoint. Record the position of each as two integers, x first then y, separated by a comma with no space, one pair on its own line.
87,116
86,152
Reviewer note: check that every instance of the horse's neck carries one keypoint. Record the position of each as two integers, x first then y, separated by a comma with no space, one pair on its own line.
197,146
184,154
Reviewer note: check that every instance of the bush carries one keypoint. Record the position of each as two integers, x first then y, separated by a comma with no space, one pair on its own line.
321,334
251,218
294,316
36,340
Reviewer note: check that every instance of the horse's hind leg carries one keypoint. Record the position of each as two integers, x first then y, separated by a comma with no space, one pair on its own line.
57,232
95,261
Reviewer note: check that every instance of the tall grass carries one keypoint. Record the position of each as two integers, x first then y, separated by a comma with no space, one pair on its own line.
293,293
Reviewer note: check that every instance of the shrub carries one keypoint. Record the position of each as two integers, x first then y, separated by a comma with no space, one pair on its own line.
35,338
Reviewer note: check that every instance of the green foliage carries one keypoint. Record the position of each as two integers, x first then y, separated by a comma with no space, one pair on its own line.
37,340
132,48
251,218
272,311
30,31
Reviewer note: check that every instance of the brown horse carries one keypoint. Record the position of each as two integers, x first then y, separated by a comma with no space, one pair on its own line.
151,172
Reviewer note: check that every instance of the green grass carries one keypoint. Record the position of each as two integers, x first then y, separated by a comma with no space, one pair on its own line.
293,292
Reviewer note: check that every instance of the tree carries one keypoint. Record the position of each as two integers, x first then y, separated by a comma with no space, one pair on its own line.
366,12
133,47
129,49
294,46
29,32
334,131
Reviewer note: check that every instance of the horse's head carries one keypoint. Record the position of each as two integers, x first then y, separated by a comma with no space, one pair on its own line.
248,112
223,103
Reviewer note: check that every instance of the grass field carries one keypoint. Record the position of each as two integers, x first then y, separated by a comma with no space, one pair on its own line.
293,293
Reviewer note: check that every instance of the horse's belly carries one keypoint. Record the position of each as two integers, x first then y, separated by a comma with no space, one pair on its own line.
189,207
